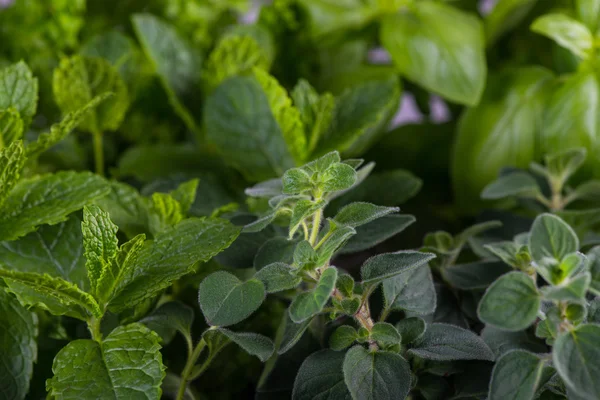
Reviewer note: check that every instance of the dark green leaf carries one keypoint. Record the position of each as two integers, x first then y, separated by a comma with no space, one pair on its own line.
356,214
170,318
384,266
253,343
477,275
321,378
516,375
19,90
277,277
519,184
386,334
444,342
411,291
277,249
307,304
342,337
411,329
376,232
292,333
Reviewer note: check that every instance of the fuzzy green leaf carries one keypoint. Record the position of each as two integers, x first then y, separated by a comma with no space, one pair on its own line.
411,329
476,275
170,318
19,90
357,214
384,266
253,343
445,342
519,184
316,111
551,239
386,334
342,337
411,291
308,304
277,277
127,364
516,375
320,377
292,333
376,232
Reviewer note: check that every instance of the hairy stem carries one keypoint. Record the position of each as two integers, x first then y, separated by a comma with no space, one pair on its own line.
189,365
99,153
315,227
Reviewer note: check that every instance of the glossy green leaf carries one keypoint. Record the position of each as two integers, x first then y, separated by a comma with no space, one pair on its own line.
589,13
308,304
519,184
384,266
511,303
376,374
505,16
47,199
18,347
566,31
19,90
126,364
329,17
277,277
320,377
342,337
253,343
444,342
11,126
439,47
411,291
516,375
225,300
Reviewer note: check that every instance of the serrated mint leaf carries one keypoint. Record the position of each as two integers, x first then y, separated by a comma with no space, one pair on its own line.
18,348
576,357
170,318
56,250
552,238
253,343
342,337
376,232
384,266
185,194
165,212
277,277
356,214
11,126
19,90
376,374
519,184
240,122
172,254
12,161
55,295
320,377
386,334
316,111
126,207
47,199
439,47
225,300
99,241
511,303
445,342
126,364
411,291
566,31
411,329
308,304
79,79
476,275
516,375
292,333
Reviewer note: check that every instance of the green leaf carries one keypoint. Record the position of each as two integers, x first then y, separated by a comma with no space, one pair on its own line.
444,342
79,79
576,357
277,277
439,47
502,130
342,337
564,164
516,375
316,111
172,254
99,241
338,177
345,284
56,250
476,275
127,208
573,289
55,295
302,210
61,129
292,333
384,266
551,239
165,212
225,300
594,267
296,181
588,12
506,251
511,303
386,334
589,190
47,199
277,249
320,377
127,363
566,31
376,232
475,230
307,304
170,318
240,122
411,291
185,194
18,348
330,18
360,116
357,214
506,16
376,375
11,126
339,235
304,255
19,90
253,343
520,184
12,161
411,329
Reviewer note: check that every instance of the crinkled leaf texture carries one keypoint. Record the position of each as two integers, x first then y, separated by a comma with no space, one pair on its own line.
127,364
12,161
18,348
321,377
19,90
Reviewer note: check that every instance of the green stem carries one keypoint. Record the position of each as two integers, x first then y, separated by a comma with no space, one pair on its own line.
315,227
99,153
94,327
189,365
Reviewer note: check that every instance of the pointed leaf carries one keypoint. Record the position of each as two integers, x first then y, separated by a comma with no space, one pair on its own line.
170,318
519,184
565,31
411,329
320,377
12,161
516,375
307,304
411,291
11,126
19,90
384,266
342,337
253,343
292,333
277,277
376,232
444,342
386,334
356,214
552,238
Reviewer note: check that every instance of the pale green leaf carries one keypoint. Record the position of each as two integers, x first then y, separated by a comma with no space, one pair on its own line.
589,13
505,16
551,238
308,304
12,161
11,126
19,90
565,31
165,212
519,184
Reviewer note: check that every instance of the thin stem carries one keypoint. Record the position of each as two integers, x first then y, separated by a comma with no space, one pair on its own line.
99,153
305,228
315,227
542,199
189,365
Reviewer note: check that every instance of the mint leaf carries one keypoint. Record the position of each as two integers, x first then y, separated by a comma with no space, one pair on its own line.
47,199
12,161
127,363
18,348
19,90
127,208
11,126
308,304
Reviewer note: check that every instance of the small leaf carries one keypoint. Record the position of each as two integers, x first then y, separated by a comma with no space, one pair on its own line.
307,304
565,31
475,230
338,237
511,303
342,337
357,214
225,300
277,249
386,334
516,375
296,181
304,255
170,318
576,357
384,266
506,251
316,111
520,184
444,342
253,343
127,363
411,329
564,164
19,90
338,177
589,190
552,238
302,210
277,277
573,289
376,375
350,306
345,284
260,223
321,377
